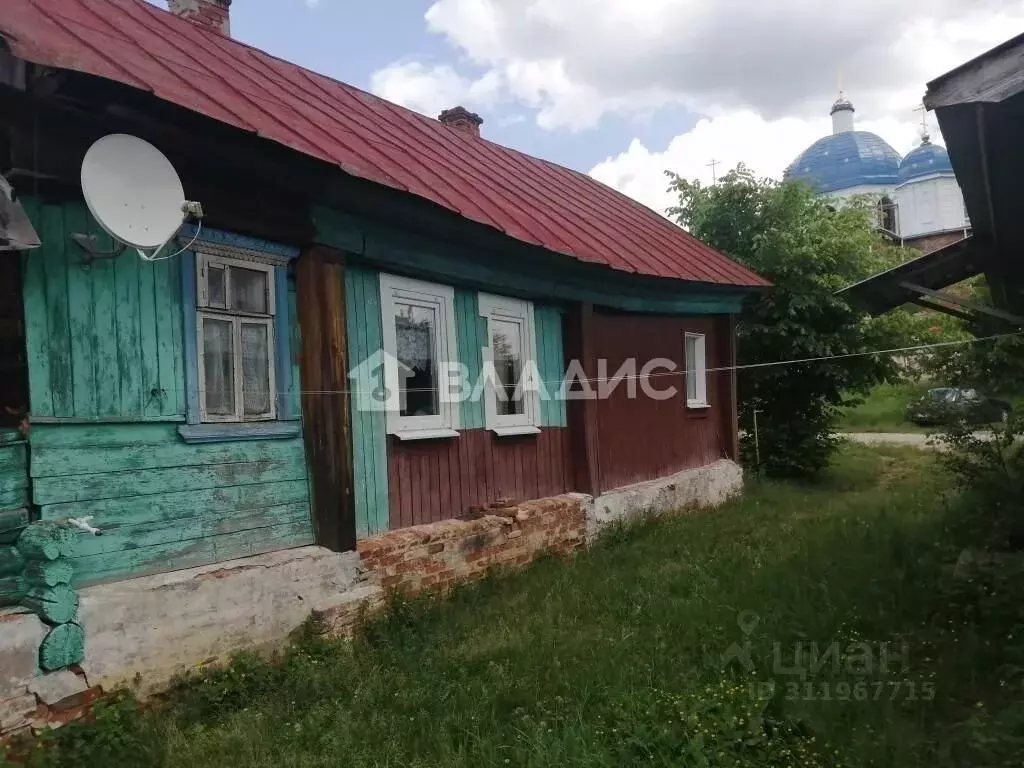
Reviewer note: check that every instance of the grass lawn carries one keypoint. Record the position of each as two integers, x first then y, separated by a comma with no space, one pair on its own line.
884,410
617,658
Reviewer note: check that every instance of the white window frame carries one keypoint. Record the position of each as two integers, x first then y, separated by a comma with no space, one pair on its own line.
441,299
204,311
521,312
699,369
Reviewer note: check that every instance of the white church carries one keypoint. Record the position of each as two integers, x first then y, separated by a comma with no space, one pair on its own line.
920,203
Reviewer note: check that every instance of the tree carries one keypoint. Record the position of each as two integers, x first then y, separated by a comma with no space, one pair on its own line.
808,251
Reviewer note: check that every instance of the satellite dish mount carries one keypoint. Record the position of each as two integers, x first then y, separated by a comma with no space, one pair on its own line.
134,193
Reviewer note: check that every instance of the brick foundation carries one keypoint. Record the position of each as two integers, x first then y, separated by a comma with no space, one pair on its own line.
439,555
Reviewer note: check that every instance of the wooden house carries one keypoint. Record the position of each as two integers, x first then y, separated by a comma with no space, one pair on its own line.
243,396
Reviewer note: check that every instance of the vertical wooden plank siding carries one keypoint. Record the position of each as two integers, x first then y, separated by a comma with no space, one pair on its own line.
104,353
471,335
320,282
37,333
582,414
129,333
550,362
58,340
369,427
431,480
643,438
82,323
104,340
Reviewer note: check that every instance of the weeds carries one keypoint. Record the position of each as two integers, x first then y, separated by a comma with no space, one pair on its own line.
619,657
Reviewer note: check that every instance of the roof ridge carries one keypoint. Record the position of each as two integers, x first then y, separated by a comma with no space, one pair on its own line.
532,199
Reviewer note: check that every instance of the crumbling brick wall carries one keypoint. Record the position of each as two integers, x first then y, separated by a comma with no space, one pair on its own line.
440,555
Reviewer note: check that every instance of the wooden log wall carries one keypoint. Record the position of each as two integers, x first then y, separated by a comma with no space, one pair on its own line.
320,280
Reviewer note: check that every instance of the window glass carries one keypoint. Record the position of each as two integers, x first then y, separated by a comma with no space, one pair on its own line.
218,360
255,369
415,334
215,282
507,346
692,385
248,290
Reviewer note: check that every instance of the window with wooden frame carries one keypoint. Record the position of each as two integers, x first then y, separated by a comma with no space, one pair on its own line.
419,340
696,371
235,315
510,408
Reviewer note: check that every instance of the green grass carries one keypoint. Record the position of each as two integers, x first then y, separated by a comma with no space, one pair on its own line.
884,409
617,658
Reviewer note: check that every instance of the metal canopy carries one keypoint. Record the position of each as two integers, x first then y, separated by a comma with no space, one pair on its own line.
980,108
933,271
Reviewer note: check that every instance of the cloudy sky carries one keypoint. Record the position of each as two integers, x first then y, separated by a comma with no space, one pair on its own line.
624,89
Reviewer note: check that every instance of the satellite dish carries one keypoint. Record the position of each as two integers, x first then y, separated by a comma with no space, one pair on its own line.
134,193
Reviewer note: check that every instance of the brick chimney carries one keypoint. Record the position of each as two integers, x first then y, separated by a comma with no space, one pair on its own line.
214,14
461,119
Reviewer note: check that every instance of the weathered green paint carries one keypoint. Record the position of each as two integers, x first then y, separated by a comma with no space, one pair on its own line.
62,647
12,523
550,363
369,428
187,554
54,605
13,477
166,508
545,276
56,462
46,541
293,399
12,562
164,504
103,338
12,590
49,573
471,335
471,339
289,465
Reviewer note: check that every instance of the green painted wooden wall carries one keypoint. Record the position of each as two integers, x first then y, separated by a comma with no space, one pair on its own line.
471,337
163,504
13,471
369,425
106,369
103,339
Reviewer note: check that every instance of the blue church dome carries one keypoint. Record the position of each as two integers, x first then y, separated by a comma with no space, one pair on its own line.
845,160
924,161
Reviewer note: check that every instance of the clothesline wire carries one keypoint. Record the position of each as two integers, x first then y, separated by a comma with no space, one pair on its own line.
721,369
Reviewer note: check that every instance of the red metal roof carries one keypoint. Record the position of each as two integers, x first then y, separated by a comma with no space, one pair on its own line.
531,200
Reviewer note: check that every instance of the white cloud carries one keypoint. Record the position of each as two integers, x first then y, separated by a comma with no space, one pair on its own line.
573,61
766,146
431,89
759,75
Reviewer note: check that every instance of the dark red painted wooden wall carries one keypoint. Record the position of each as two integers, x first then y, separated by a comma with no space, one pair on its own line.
435,480
643,439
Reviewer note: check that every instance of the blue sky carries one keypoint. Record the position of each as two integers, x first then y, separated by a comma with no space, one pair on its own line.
626,89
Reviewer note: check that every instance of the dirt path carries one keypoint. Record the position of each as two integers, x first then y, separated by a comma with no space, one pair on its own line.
888,438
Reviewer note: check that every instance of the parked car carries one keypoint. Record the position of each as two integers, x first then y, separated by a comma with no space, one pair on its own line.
945,405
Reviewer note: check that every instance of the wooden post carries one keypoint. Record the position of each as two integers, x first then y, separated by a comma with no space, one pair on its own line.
582,414
320,287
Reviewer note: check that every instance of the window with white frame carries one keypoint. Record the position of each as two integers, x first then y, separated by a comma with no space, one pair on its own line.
696,371
235,330
419,342
511,407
